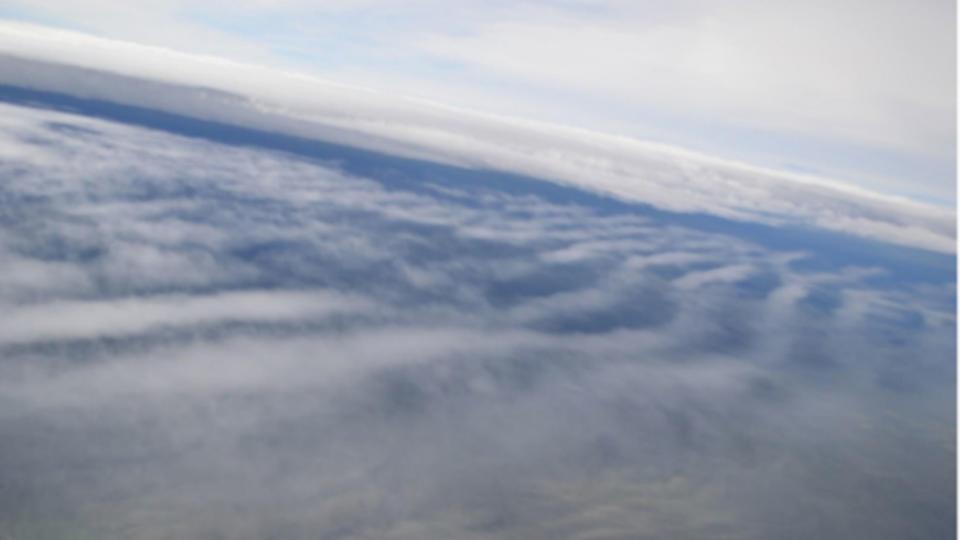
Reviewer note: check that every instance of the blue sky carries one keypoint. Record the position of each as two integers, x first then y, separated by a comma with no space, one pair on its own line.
863,92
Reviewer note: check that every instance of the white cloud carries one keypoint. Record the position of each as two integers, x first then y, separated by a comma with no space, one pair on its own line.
725,274
725,76
64,320
670,178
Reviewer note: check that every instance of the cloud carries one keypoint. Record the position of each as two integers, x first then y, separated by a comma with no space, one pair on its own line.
749,62
666,177
91,319
204,338
741,78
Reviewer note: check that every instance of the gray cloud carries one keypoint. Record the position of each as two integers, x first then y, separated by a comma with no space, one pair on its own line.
219,341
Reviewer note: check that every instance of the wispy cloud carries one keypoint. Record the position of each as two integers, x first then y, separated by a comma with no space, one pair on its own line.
91,319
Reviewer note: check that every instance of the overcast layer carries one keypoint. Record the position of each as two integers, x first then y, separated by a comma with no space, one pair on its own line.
857,89
293,104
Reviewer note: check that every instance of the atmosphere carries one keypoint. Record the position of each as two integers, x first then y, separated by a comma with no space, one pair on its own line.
862,91
571,270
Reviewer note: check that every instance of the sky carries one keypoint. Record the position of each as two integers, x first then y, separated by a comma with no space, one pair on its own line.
290,104
250,290
859,91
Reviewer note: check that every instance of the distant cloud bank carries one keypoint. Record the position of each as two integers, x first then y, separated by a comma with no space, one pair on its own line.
667,178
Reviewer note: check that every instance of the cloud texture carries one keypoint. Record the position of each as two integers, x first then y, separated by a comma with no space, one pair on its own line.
285,103
744,78
212,338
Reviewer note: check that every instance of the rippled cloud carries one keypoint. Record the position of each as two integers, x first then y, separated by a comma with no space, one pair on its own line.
212,339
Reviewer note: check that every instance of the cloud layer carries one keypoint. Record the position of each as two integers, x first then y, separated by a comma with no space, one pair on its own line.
290,104
744,78
211,339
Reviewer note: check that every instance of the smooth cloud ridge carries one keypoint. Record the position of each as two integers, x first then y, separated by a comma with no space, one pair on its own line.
249,96
740,78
